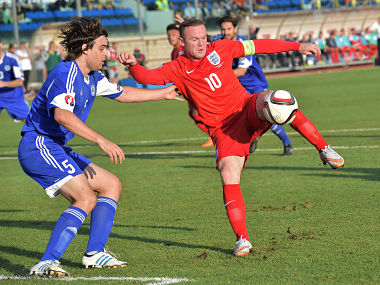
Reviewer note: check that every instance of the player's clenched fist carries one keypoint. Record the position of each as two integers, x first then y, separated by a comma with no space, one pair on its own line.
126,59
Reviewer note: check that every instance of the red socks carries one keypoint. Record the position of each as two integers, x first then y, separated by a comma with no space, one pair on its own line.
235,208
306,128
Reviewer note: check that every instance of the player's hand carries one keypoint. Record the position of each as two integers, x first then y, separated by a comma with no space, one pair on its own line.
114,152
309,49
179,19
172,93
2,84
127,59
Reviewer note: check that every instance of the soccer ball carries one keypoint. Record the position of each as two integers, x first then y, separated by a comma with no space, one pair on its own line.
279,107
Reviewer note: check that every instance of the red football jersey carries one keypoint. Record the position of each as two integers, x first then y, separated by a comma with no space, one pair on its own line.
210,84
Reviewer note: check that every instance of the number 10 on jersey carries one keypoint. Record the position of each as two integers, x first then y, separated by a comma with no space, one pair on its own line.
213,81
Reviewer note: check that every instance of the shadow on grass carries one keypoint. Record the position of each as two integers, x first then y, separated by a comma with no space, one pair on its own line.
18,269
157,155
10,211
370,174
85,230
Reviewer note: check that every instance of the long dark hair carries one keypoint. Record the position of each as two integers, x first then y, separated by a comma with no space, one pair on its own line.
81,30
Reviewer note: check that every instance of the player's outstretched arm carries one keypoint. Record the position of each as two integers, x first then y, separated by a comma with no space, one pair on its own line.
309,49
11,84
141,74
134,95
127,59
73,124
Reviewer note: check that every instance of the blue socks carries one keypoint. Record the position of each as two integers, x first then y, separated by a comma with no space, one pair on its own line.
63,233
280,132
101,224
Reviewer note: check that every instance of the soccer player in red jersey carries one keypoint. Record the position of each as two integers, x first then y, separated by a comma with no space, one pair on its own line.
172,32
233,117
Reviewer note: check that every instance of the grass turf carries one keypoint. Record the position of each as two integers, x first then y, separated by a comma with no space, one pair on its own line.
309,224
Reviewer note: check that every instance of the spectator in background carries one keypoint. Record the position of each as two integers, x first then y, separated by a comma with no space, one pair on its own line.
24,54
162,5
53,57
206,13
295,56
376,28
355,42
253,31
321,43
140,57
6,14
282,56
332,47
371,39
39,65
345,46
89,4
216,12
112,63
36,6
367,50
12,48
189,11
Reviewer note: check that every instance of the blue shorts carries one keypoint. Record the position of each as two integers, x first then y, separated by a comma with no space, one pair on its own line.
17,110
48,162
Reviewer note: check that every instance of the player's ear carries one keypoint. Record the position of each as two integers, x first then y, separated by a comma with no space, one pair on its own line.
181,41
84,47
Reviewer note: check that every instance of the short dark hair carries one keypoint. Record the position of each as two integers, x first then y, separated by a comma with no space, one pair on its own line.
172,27
228,19
81,30
192,22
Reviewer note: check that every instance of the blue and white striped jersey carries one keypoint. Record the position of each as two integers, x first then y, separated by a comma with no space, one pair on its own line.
9,71
66,88
254,80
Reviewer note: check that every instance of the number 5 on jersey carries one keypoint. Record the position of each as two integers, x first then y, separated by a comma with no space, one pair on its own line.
213,81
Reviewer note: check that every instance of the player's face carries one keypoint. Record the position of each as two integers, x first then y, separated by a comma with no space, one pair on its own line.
228,31
173,37
98,53
194,42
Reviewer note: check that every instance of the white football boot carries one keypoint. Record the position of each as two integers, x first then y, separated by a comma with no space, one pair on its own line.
48,268
102,259
243,247
328,155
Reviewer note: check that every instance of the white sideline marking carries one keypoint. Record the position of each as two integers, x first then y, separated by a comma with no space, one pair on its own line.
209,151
213,151
156,280
205,138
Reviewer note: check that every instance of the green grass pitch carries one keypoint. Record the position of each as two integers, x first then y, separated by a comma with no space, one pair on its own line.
309,224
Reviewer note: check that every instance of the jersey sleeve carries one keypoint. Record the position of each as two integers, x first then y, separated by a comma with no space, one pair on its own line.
59,96
107,88
245,62
159,76
231,48
17,72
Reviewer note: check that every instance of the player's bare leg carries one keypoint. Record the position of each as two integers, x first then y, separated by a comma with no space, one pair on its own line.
109,189
230,169
307,129
80,194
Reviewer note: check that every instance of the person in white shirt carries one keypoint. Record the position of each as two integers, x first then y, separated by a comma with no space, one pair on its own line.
24,54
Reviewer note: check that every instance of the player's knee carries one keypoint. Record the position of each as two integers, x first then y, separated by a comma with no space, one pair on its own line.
113,188
279,107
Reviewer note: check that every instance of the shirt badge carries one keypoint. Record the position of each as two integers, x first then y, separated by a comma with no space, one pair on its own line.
69,100
93,90
7,68
214,58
